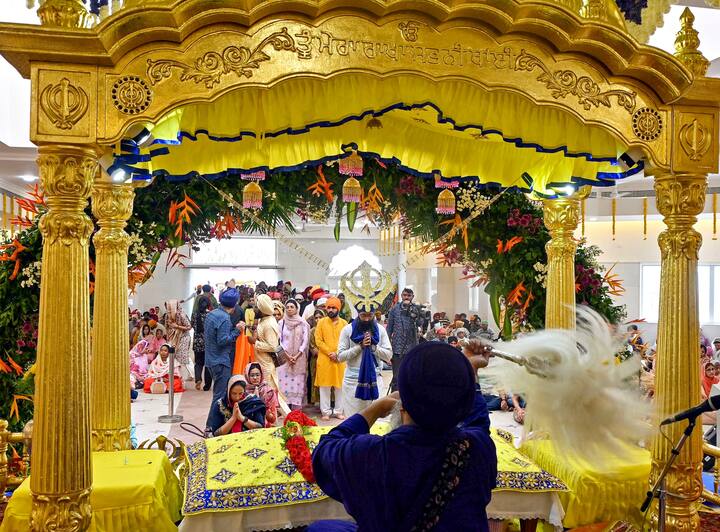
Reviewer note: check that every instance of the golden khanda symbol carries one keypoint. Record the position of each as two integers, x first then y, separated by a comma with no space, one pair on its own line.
695,140
64,103
366,293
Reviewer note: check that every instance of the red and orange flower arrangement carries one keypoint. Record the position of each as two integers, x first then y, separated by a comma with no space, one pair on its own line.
293,433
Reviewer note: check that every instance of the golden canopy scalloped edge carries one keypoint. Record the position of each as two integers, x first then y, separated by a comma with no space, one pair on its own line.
109,42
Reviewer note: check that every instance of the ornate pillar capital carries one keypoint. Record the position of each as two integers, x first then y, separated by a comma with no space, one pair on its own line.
680,198
112,206
561,217
62,475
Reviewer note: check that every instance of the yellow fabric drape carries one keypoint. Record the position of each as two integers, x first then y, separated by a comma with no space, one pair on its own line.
132,490
299,102
598,492
420,149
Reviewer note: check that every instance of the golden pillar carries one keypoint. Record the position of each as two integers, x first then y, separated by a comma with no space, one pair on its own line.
61,475
680,198
112,206
561,216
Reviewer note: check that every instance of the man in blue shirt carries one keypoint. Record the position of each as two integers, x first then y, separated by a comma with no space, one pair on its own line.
436,471
220,336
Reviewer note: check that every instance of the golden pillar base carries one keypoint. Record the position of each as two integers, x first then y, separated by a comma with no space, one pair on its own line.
61,470
112,206
680,198
561,216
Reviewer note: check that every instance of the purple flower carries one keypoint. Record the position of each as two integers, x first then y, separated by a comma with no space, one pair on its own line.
512,222
31,344
524,222
21,343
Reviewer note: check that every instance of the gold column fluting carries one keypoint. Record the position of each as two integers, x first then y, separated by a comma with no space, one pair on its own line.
112,206
680,198
61,475
561,216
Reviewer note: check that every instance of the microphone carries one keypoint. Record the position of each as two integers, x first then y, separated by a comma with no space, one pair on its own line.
710,405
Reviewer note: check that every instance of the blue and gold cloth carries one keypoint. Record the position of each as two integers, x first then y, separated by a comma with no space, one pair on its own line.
252,470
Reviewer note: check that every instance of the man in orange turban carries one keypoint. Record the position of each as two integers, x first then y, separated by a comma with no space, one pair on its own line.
330,370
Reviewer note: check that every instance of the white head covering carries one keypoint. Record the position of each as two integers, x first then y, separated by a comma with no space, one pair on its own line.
265,304
321,301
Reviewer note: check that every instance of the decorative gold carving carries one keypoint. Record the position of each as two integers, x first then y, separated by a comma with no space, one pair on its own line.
594,10
63,13
212,66
112,206
67,513
65,177
695,140
111,439
409,30
64,103
564,82
647,124
680,198
687,43
131,95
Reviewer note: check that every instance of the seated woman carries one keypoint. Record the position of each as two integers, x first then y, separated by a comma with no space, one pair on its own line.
159,370
138,364
236,412
257,386
154,345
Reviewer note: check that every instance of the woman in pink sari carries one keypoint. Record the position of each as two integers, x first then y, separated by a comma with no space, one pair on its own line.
177,329
256,385
294,339
138,363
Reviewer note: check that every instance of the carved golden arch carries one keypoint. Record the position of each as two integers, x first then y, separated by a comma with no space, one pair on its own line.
138,65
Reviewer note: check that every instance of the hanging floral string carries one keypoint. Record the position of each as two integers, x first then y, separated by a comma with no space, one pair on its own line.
645,211
446,203
614,211
252,196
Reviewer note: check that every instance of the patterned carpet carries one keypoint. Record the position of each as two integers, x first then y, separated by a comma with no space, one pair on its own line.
710,522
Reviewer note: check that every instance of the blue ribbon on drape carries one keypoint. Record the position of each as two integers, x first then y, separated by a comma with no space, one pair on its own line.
367,388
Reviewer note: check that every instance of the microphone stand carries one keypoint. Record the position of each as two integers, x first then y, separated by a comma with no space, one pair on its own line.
658,490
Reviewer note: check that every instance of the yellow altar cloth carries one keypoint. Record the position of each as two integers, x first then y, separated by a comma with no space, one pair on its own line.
252,470
612,492
132,491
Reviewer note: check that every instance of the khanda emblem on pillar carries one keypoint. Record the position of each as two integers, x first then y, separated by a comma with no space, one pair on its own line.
366,287
64,103
695,140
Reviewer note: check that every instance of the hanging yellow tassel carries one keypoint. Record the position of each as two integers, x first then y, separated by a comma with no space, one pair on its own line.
252,196
582,217
351,165
351,190
714,237
614,210
446,202
645,205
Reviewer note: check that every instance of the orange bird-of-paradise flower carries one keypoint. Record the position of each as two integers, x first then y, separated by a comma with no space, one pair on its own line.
513,298
4,367
530,297
14,256
322,187
180,213
614,282
458,223
15,366
15,409
507,246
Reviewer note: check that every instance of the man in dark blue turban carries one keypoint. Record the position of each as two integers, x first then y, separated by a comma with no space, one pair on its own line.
436,471
220,336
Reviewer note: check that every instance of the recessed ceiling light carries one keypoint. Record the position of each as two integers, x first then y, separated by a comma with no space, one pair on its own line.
28,178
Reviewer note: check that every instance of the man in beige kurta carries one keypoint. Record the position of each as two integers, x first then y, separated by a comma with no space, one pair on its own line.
330,370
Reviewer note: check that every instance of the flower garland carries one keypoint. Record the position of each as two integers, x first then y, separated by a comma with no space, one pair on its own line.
293,433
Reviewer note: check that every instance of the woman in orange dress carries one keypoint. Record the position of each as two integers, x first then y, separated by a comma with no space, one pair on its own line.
159,370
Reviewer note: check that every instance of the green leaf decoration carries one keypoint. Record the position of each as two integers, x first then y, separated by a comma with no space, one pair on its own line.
351,215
